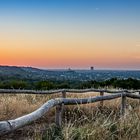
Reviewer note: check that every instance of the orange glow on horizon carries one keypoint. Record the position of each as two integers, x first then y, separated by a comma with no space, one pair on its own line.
61,54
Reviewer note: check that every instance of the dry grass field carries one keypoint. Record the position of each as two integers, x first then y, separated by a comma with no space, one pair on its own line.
80,122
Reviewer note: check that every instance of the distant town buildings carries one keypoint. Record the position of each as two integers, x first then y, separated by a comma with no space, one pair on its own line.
91,68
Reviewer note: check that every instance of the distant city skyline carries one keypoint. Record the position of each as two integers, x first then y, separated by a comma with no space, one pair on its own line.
76,34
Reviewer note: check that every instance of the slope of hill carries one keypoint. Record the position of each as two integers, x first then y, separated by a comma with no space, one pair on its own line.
19,72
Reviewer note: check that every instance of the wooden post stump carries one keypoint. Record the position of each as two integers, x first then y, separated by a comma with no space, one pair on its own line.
58,115
123,104
101,102
63,94
63,106
139,99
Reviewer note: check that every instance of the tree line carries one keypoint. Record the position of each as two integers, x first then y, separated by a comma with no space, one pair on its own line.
129,83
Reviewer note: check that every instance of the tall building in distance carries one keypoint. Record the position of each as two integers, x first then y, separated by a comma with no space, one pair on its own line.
91,68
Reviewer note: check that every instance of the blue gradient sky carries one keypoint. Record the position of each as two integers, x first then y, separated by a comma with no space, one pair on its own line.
70,33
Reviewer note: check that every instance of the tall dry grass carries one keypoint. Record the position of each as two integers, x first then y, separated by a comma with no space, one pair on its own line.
80,122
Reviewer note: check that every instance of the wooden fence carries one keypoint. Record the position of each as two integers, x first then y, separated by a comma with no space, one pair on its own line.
11,125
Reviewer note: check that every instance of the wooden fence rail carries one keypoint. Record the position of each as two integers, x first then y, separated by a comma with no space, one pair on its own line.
18,91
11,125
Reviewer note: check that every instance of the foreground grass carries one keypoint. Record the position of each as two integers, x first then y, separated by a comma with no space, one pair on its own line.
81,122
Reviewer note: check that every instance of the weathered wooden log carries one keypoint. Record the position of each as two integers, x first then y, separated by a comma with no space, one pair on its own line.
11,125
74,101
16,91
134,96
123,104
99,90
92,90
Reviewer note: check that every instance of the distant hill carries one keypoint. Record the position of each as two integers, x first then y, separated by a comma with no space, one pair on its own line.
20,72
35,74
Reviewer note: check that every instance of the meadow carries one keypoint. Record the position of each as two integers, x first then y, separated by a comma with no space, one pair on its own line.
80,122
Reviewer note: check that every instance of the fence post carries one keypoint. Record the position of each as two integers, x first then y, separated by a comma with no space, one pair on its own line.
63,94
60,111
101,102
123,104
58,115
63,106
139,99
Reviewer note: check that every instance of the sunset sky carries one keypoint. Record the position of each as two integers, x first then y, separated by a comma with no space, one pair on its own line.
70,33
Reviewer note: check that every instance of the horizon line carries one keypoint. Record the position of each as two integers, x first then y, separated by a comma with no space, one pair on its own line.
73,68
